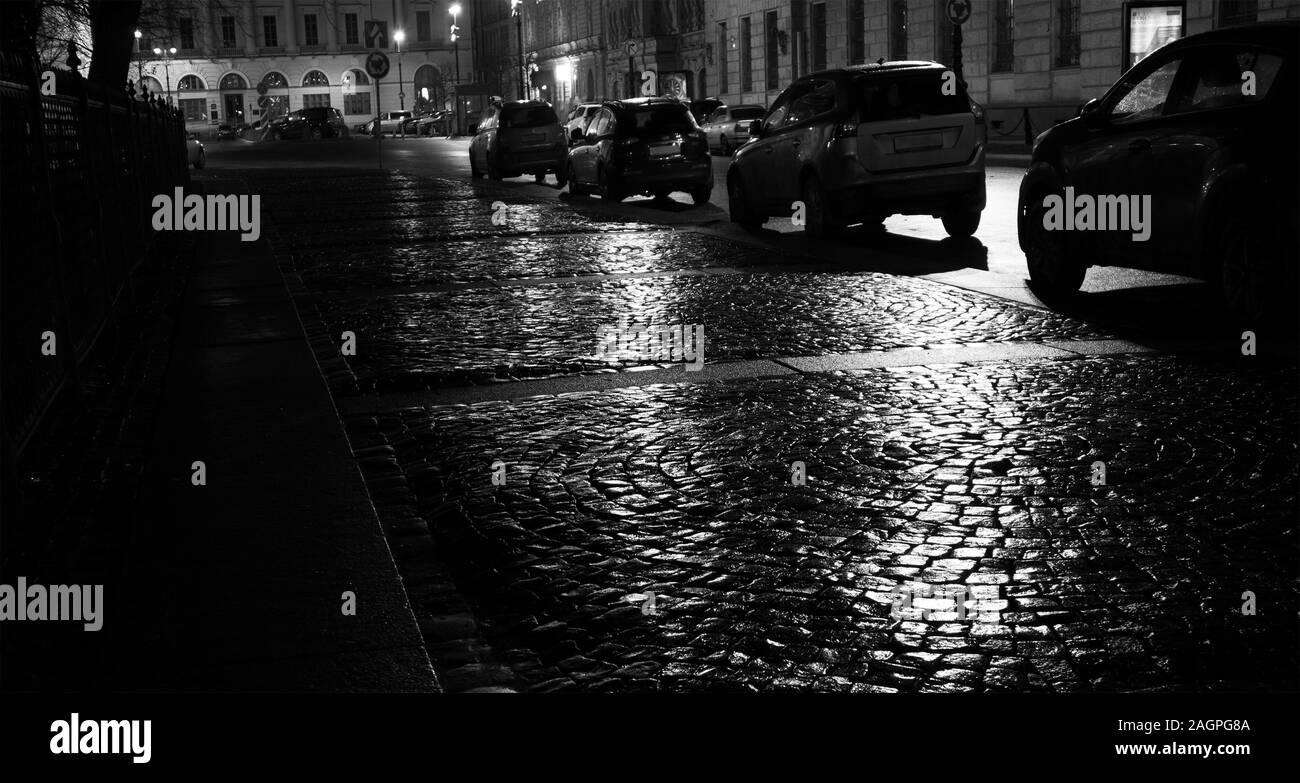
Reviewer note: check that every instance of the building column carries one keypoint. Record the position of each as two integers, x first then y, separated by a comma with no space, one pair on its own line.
250,39
290,41
331,25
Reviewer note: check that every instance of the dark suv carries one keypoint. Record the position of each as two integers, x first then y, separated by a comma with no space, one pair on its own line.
858,144
641,146
316,122
1203,133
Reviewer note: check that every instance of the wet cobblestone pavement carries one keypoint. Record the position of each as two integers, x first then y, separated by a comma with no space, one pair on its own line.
978,476
973,475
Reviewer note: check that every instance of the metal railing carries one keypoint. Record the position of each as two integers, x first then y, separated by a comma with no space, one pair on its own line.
80,168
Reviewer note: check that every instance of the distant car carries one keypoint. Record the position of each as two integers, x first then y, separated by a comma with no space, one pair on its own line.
578,118
316,122
388,122
861,143
225,132
519,137
195,155
727,129
647,146
362,127
434,123
1215,164
703,108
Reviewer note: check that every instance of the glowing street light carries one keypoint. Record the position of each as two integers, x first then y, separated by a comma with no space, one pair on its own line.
400,36
166,54
454,10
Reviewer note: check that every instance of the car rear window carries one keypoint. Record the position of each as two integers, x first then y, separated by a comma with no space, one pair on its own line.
747,114
659,118
897,97
528,116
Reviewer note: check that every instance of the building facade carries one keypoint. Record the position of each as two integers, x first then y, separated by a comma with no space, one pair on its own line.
305,53
1038,59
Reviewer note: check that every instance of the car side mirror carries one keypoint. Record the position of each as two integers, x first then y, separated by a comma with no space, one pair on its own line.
755,128
1090,112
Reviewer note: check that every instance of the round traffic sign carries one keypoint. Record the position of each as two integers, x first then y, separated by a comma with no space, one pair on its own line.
261,88
377,64
958,11
631,48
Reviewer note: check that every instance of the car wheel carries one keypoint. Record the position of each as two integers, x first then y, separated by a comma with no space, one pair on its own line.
816,222
1055,270
494,168
661,195
961,223
702,194
1249,280
202,161
726,146
571,176
742,212
315,134
540,179
474,170
561,177
608,192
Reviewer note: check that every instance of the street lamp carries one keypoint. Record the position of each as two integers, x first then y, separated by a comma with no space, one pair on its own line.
454,10
139,61
400,36
518,13
166,55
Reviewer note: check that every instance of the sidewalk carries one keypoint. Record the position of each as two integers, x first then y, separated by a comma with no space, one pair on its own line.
238,585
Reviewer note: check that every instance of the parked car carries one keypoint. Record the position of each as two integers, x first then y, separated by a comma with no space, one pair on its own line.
519,137
858,144
315,122
388,122
226,132
727,129
703,108
434,123
641,146
195,155
1217,166
578,118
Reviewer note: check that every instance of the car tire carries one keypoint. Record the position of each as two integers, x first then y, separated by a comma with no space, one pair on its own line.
961,223
540,179
571,176
817,223
494,168
474,170
1251,287
1055,270
561,177
608,192
726,147
202,161
701,195
738,205
315,134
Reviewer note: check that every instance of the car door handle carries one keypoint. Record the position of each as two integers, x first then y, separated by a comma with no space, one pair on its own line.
1140,145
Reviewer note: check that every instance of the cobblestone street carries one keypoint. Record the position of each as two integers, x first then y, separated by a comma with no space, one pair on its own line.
565,520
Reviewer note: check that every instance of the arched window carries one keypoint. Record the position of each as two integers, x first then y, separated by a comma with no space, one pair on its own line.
358,76
315,79
152,85
190,82
275,79
233,81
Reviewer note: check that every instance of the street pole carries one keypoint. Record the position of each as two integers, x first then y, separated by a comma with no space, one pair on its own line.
519,27
139,62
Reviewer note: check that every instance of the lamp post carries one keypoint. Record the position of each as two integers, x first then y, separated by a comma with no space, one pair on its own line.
518,12
400,36
454,10
139,61
166,55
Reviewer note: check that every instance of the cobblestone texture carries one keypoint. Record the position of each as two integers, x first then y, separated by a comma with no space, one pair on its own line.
954,475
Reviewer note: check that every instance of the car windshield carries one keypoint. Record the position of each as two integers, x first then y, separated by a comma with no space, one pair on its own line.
528,116
747,113
897,97
658,118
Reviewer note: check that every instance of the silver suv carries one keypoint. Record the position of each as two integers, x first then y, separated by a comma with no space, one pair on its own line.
858,144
